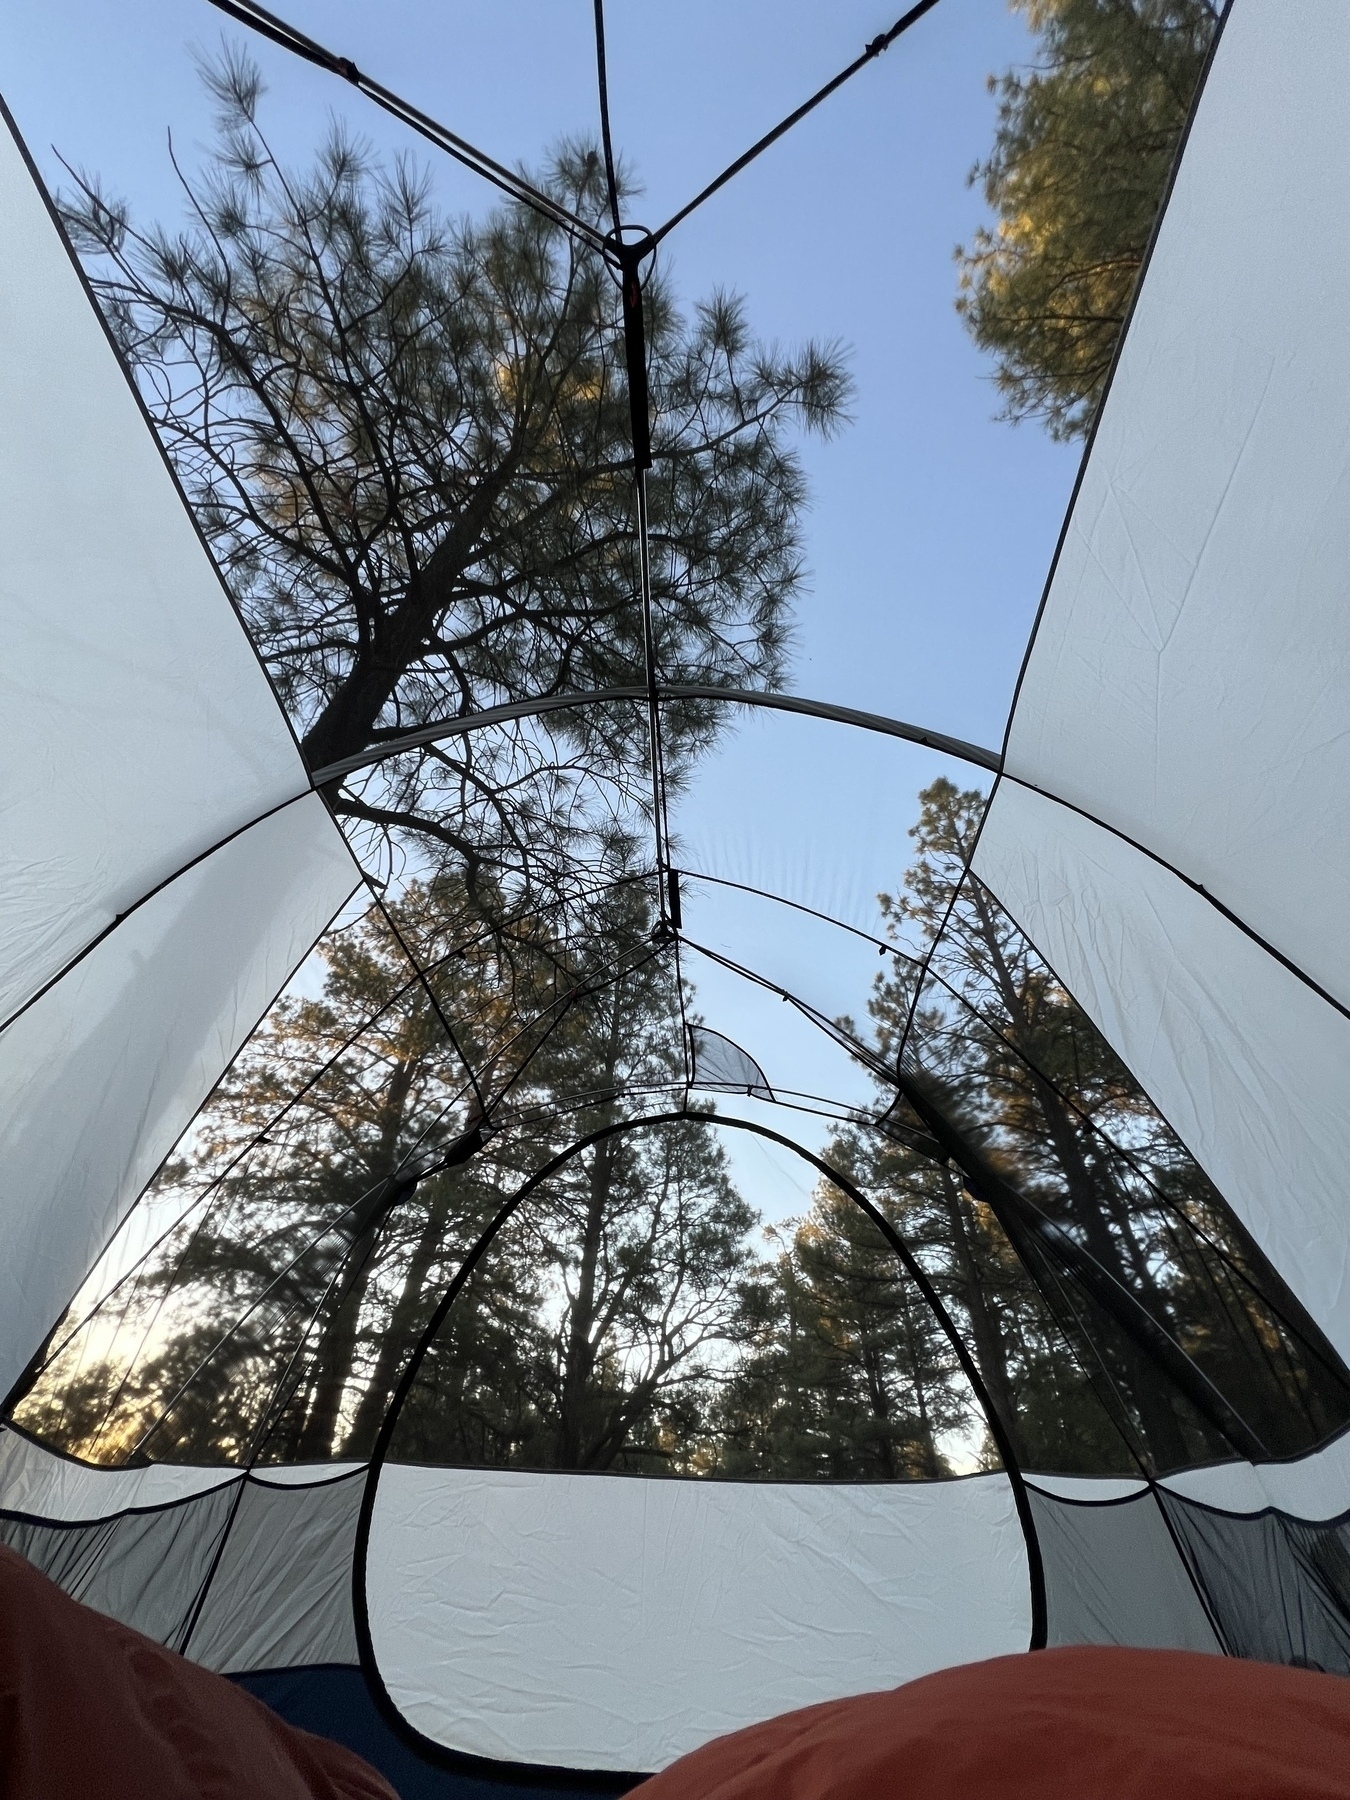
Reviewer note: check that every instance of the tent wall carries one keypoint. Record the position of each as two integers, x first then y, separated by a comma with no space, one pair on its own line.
266,1607
140,736
806,1591
248,1572
144,1568
1113,1575
593,1621
1159,1570
1278,1588
101,1075
1189,681
1190,677
1315,1488
1249,1066
1187,689
139,727
44,1485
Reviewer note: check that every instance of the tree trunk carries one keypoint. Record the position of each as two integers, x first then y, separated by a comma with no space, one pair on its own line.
336,1353
991,1347
398,637
880,1402
396,1338
913,1343
579,1355
1150,1388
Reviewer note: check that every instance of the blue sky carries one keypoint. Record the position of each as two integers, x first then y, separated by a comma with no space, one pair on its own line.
932,524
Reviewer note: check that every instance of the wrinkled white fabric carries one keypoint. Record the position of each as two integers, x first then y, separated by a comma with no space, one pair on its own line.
99,1077
139,729
1251,1068
1313,1487
616,1622
1092,1490
36,1481
1190,680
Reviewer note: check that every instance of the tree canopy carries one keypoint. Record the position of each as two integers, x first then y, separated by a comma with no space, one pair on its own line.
408,442
1114,1229
1082,150
407,439
633,1314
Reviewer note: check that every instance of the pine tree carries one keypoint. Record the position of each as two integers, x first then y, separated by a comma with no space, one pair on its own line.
1081,156
1119,1227
275,1320
848,1376
407,439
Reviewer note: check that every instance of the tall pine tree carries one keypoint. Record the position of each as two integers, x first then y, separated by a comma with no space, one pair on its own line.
1081,155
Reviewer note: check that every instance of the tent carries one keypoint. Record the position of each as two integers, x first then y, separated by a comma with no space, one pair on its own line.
1109,1089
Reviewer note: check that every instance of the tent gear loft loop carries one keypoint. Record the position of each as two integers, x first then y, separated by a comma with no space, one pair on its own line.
631,258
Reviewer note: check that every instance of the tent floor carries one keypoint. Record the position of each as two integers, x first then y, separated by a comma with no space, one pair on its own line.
334,1702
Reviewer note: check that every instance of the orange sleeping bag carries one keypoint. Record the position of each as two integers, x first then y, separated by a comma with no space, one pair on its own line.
1080,1724
90,1710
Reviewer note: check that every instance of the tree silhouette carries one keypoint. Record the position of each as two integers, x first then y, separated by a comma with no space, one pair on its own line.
1115,1237
1081,155
407,440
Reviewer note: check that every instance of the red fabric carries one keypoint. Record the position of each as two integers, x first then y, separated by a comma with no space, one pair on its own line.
90,1710
1082,1724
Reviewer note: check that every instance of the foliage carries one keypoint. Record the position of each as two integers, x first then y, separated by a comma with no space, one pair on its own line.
630,1315
1081,156
407,441
321,1196
624,1319
1036,1091
635,1260
848,1376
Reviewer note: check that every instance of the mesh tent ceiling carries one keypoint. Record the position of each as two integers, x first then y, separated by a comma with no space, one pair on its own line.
497,1219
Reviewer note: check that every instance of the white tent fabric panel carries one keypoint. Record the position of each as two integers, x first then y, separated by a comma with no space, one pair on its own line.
1311,1487
36,1481
1092,1490
1248,1064
100,1076
139,727
616,1622
1315,1487
1190,679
